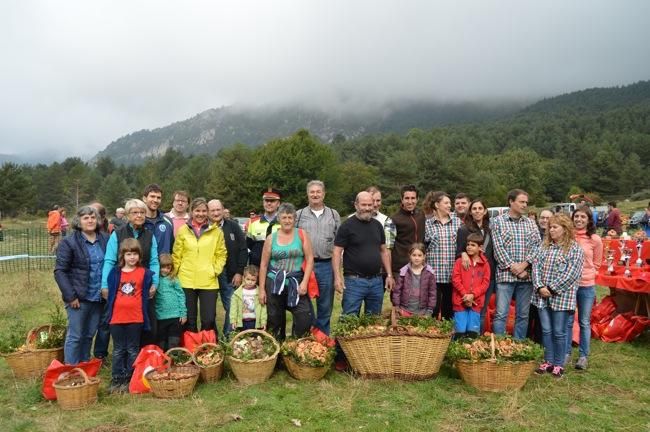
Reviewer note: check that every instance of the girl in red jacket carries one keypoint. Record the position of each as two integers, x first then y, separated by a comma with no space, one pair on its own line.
469,288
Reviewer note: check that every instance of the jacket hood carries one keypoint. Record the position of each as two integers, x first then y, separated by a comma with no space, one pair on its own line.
407,267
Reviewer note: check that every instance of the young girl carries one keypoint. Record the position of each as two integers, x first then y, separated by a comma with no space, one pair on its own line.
246,312
171,312
415,291
470,285
127,297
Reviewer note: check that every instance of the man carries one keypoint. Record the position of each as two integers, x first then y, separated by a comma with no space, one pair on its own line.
118,221
516,240
461,203
406,227
364,242
54,228
376,205
231,277
155,221
260,228
226,213
613,221
178,214
645,221
321,224
544,216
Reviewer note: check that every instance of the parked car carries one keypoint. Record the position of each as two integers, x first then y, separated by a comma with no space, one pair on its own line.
635,219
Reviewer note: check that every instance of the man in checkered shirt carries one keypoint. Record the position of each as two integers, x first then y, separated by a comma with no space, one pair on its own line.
516,241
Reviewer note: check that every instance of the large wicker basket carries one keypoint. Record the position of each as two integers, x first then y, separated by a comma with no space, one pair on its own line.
304,372
33,362
76,390
253,371
213,372
492,375
396,353
173,383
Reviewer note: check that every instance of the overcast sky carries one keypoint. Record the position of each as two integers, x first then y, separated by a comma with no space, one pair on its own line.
76,75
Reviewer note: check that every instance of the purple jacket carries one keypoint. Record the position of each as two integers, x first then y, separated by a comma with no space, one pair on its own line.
402,290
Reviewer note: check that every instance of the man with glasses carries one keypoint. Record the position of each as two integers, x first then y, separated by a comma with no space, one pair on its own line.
260,228
179,214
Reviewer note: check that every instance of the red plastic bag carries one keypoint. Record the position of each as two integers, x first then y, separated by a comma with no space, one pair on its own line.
321,337
618,328
150,357
191,340
640,323
605,310
56,368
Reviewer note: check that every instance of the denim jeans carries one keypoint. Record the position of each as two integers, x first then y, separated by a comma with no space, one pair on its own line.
522,291
126,346
103,334
226,289
360,290
584,302
325,299
554,334
82,325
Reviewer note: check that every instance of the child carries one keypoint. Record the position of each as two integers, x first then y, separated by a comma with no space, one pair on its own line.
171,312
470,286
246,312
127,296
415,291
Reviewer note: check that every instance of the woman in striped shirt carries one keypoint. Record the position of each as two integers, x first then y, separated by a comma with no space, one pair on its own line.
556,273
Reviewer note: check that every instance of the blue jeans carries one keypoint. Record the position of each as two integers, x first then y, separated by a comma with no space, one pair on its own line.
226,290
103,334
522,291
584,303
82,325
554,334
360,290
325,299
126,346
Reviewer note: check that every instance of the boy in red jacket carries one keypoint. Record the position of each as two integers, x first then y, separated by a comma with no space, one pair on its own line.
470,281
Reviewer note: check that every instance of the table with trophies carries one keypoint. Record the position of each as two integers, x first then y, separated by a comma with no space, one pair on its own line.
626,271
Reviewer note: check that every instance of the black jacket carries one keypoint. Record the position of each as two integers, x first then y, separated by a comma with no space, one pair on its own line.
236,247
72,268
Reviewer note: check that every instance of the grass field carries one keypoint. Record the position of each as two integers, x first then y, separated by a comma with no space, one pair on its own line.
613,395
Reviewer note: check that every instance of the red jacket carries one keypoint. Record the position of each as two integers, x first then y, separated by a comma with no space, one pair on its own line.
54,222
475,280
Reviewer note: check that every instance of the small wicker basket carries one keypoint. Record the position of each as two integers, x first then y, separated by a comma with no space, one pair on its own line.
173,383
398,353
33,362
253,371
76,390
493,376
304,372
211,373
190,357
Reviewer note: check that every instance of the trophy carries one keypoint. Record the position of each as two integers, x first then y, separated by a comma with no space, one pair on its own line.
610,262
626,260
622,247
639,246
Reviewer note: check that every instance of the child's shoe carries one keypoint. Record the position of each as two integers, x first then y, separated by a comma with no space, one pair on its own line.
581,364
544,368
558,371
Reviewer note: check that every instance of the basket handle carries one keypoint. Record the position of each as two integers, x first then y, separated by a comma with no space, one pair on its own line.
171,361
78,371
393,317
493,346
245,332
35,330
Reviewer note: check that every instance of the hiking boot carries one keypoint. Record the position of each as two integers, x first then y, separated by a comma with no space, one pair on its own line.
341,365
581,364
558,371
116,388
544,368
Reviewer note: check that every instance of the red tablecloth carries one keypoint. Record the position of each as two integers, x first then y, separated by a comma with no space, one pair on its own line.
639,280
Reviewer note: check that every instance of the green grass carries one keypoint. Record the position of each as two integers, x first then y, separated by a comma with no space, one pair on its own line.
614,394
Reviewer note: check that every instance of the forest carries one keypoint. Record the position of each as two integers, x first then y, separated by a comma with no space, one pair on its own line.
595,141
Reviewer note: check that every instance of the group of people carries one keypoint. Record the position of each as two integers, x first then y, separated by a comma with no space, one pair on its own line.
147,278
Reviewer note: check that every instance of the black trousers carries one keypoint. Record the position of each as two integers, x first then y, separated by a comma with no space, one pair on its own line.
443,301
169,333
276,306
207,298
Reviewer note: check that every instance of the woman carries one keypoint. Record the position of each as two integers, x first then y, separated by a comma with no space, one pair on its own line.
285,268
64,223
440,233
556,273
592,247
199,256
78,273
477,220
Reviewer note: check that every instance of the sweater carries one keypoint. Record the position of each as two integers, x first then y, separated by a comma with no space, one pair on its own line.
592,247
114,277
475,280
170,299
237,310
405,228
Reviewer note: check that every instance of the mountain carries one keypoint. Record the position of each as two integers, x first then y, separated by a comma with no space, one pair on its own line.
218,128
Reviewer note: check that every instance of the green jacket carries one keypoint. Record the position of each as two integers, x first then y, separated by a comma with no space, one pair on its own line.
237,310
170,299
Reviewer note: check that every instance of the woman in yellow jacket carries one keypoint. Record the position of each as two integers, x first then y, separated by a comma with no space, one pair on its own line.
199,256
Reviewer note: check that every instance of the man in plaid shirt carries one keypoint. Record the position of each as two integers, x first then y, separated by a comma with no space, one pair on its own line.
516,242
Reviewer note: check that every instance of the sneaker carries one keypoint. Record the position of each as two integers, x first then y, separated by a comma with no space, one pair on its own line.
558,371
581,364
544,368
341,365
115,389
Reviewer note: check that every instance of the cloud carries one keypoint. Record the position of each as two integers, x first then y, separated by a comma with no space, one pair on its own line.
77,75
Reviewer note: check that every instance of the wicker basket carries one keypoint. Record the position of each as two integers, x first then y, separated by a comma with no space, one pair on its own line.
173,383
490,375
185,351
76,390
304,372
32,363
253,371
397,353
213,372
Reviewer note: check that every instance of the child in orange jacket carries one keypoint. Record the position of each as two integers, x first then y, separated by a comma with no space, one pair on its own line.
470,283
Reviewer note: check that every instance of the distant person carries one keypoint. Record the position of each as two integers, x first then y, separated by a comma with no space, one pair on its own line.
533,216
155,221
613,221
64,223
645,221
376,205
118,221
461,203
544,217
226,213
427,205
263,226
178,215
53,228
101,211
